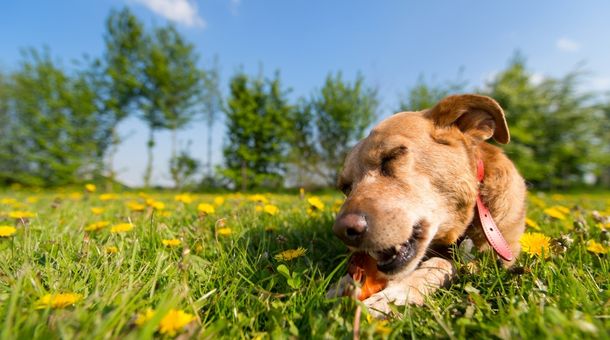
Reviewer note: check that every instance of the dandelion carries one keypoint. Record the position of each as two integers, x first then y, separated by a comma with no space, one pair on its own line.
121,228
58,300
184,198
271,209
9,201
32,199
596,248
75,196
20,214
171,243
290,254
538,201
97,210
165,213
135,206
97,225
315,203
6,231
142,318
535,244
157,205
337,205
90,187
302,192
109,197
111,250
219,200
224,231
205,208
555,212
174,321
532,224
258,198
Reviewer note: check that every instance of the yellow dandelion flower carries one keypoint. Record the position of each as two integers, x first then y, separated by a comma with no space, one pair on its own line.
142,318
171,243
111,250
218,200
555,213
109,197
315,203
536,244
97,210
97,225
337,205
121,228
58,300
302,192
184,198
157,205
596,247
32,199
135,206
290,254
558,197
8,201
165,213
563,209
224,231
258,198
271,209
205,208
19,214
90,187
174,321
532,224
7,230
75,196
258,208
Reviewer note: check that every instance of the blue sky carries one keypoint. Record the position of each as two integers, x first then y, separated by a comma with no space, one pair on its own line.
390,42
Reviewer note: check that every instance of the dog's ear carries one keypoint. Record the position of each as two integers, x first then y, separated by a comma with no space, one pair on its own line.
477,116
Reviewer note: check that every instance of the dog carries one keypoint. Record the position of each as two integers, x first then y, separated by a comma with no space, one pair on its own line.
412,188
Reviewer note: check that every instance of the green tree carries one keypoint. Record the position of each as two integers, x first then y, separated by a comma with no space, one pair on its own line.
55,137
118,76
343,111
424,95
552,125
258,124
172,86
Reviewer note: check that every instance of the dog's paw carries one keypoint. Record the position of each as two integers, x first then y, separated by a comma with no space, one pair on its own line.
380,304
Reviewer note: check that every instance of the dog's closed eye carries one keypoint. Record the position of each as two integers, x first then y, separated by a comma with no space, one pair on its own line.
389,156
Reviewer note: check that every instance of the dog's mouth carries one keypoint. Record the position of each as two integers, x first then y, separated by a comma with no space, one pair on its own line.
393,259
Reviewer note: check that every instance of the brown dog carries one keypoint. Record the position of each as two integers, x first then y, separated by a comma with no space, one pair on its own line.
412,187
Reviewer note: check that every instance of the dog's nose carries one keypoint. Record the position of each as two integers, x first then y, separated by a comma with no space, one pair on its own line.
350,228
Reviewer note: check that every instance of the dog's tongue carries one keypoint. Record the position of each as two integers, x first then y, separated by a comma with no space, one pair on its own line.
363,269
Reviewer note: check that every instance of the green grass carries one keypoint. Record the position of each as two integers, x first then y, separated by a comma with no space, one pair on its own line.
232,286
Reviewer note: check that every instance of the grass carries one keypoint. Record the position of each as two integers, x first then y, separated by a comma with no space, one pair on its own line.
225,274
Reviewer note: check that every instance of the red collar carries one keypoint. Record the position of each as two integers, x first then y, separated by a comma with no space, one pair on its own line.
492,233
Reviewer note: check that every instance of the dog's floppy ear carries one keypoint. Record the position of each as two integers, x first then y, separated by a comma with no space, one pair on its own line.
478,116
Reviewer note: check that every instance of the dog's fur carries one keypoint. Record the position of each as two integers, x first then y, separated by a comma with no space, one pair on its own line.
414,179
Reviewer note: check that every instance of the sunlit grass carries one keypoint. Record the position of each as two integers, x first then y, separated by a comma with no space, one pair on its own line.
160,264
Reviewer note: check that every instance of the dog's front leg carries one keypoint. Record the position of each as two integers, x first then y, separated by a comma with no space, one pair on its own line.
413,289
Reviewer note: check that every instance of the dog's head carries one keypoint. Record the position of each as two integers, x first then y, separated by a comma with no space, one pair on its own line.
413,180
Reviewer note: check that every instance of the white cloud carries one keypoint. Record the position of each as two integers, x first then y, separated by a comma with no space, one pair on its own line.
567,45
180,11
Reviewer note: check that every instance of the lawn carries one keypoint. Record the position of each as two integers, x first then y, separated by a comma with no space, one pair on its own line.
142,265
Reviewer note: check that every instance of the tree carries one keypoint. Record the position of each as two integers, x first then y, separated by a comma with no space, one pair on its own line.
183,167
424,95
212,107
258,124
552,125
343,111
171,88
118,76
55,137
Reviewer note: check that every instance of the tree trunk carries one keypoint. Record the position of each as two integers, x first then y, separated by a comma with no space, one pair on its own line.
172,164
149,164
244,176
114,147
209,156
